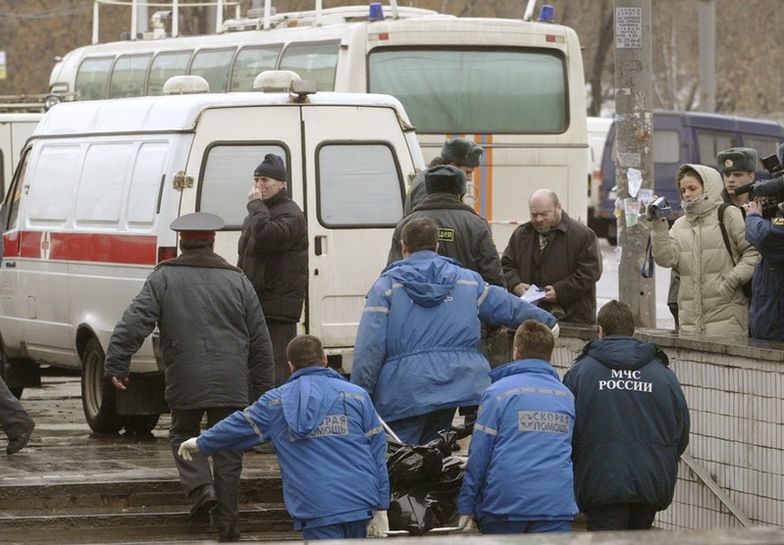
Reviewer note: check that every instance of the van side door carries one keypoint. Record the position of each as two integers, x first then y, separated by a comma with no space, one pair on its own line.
357,163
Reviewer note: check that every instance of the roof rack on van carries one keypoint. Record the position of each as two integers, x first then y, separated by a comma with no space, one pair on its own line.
256,19
29,103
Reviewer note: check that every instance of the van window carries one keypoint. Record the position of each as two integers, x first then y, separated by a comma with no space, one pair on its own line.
146,183
13,200
764,146
128,76
710,143
100,195
479,90
53,184
165,66
666,147
249,63
92,77
314,61
213,65
359,184
227,177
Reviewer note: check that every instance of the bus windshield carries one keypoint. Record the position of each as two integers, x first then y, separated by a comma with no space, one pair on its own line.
475,90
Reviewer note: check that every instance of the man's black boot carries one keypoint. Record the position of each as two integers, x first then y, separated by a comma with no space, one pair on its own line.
203,504
228,533
17,443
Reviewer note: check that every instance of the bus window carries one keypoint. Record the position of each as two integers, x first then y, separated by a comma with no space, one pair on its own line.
251,61
92,77
313,61
227,177
359,184
710,143
165,66
764,145
213,65
128,76
666,147
476,90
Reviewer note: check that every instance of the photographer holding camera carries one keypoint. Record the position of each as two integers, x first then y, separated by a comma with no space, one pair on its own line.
766,234
710,296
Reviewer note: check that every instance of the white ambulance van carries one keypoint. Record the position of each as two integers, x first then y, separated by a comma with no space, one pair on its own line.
87,217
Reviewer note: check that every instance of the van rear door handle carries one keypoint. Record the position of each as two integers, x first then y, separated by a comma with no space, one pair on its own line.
10,264
319,245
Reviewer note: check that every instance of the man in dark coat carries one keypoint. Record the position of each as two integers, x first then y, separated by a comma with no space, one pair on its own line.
273,253
457,152
631,426
557,254
16,423
214,343
462,233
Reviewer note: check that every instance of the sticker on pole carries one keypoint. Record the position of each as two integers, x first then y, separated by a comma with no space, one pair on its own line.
2,65
628,28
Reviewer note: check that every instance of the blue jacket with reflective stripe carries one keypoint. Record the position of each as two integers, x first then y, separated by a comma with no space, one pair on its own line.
417,345
519,461
766,312
330,444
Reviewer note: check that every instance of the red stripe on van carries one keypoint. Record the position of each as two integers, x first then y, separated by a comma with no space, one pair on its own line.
96,247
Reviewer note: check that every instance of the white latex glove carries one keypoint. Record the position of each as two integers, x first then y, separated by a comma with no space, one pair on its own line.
466,523
378,525
556,330
188,449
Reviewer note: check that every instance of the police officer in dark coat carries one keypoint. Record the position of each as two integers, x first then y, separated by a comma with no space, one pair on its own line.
457,152
462,233
631,426
273,252
214,342
559,255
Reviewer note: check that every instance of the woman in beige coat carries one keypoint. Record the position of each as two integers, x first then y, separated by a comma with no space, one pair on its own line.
710,297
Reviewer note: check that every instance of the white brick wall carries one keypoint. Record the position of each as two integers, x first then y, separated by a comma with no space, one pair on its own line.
736,402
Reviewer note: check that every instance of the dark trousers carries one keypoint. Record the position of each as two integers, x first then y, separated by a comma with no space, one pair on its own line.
344,530
421,429
525,526
620,516
196,473
280,335
13,418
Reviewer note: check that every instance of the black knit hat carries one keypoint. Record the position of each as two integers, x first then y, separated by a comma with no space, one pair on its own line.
445,179
272,167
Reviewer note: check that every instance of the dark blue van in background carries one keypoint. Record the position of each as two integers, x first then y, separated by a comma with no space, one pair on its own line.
683,137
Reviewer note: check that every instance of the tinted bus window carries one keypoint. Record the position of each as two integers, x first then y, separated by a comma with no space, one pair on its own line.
710,143
315,62
251,61
128,76
666,147
474,91
164,66
92,77
764,146
213,65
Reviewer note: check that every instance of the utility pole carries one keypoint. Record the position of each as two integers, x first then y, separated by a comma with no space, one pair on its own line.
706,21
634,152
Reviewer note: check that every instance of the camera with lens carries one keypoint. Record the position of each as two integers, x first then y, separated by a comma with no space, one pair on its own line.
770,192
658,209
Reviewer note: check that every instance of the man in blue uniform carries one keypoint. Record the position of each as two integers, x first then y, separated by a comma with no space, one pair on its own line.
519,474
416,350
330,444
767,284
631,426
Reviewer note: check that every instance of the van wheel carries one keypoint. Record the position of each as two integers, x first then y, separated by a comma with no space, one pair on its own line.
98,395
140,423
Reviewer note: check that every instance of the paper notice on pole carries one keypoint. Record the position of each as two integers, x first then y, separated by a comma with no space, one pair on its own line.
634,178
628,28
2,65
533,294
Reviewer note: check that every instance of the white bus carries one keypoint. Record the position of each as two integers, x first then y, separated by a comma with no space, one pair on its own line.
515,87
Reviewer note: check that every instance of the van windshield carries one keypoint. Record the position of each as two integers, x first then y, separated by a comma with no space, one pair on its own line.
475,90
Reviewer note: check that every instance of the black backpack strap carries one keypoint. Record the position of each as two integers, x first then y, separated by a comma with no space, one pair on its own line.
726,238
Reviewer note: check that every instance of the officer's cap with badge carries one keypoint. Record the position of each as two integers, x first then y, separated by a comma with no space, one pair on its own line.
199,225
445,179
461,151
737,160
